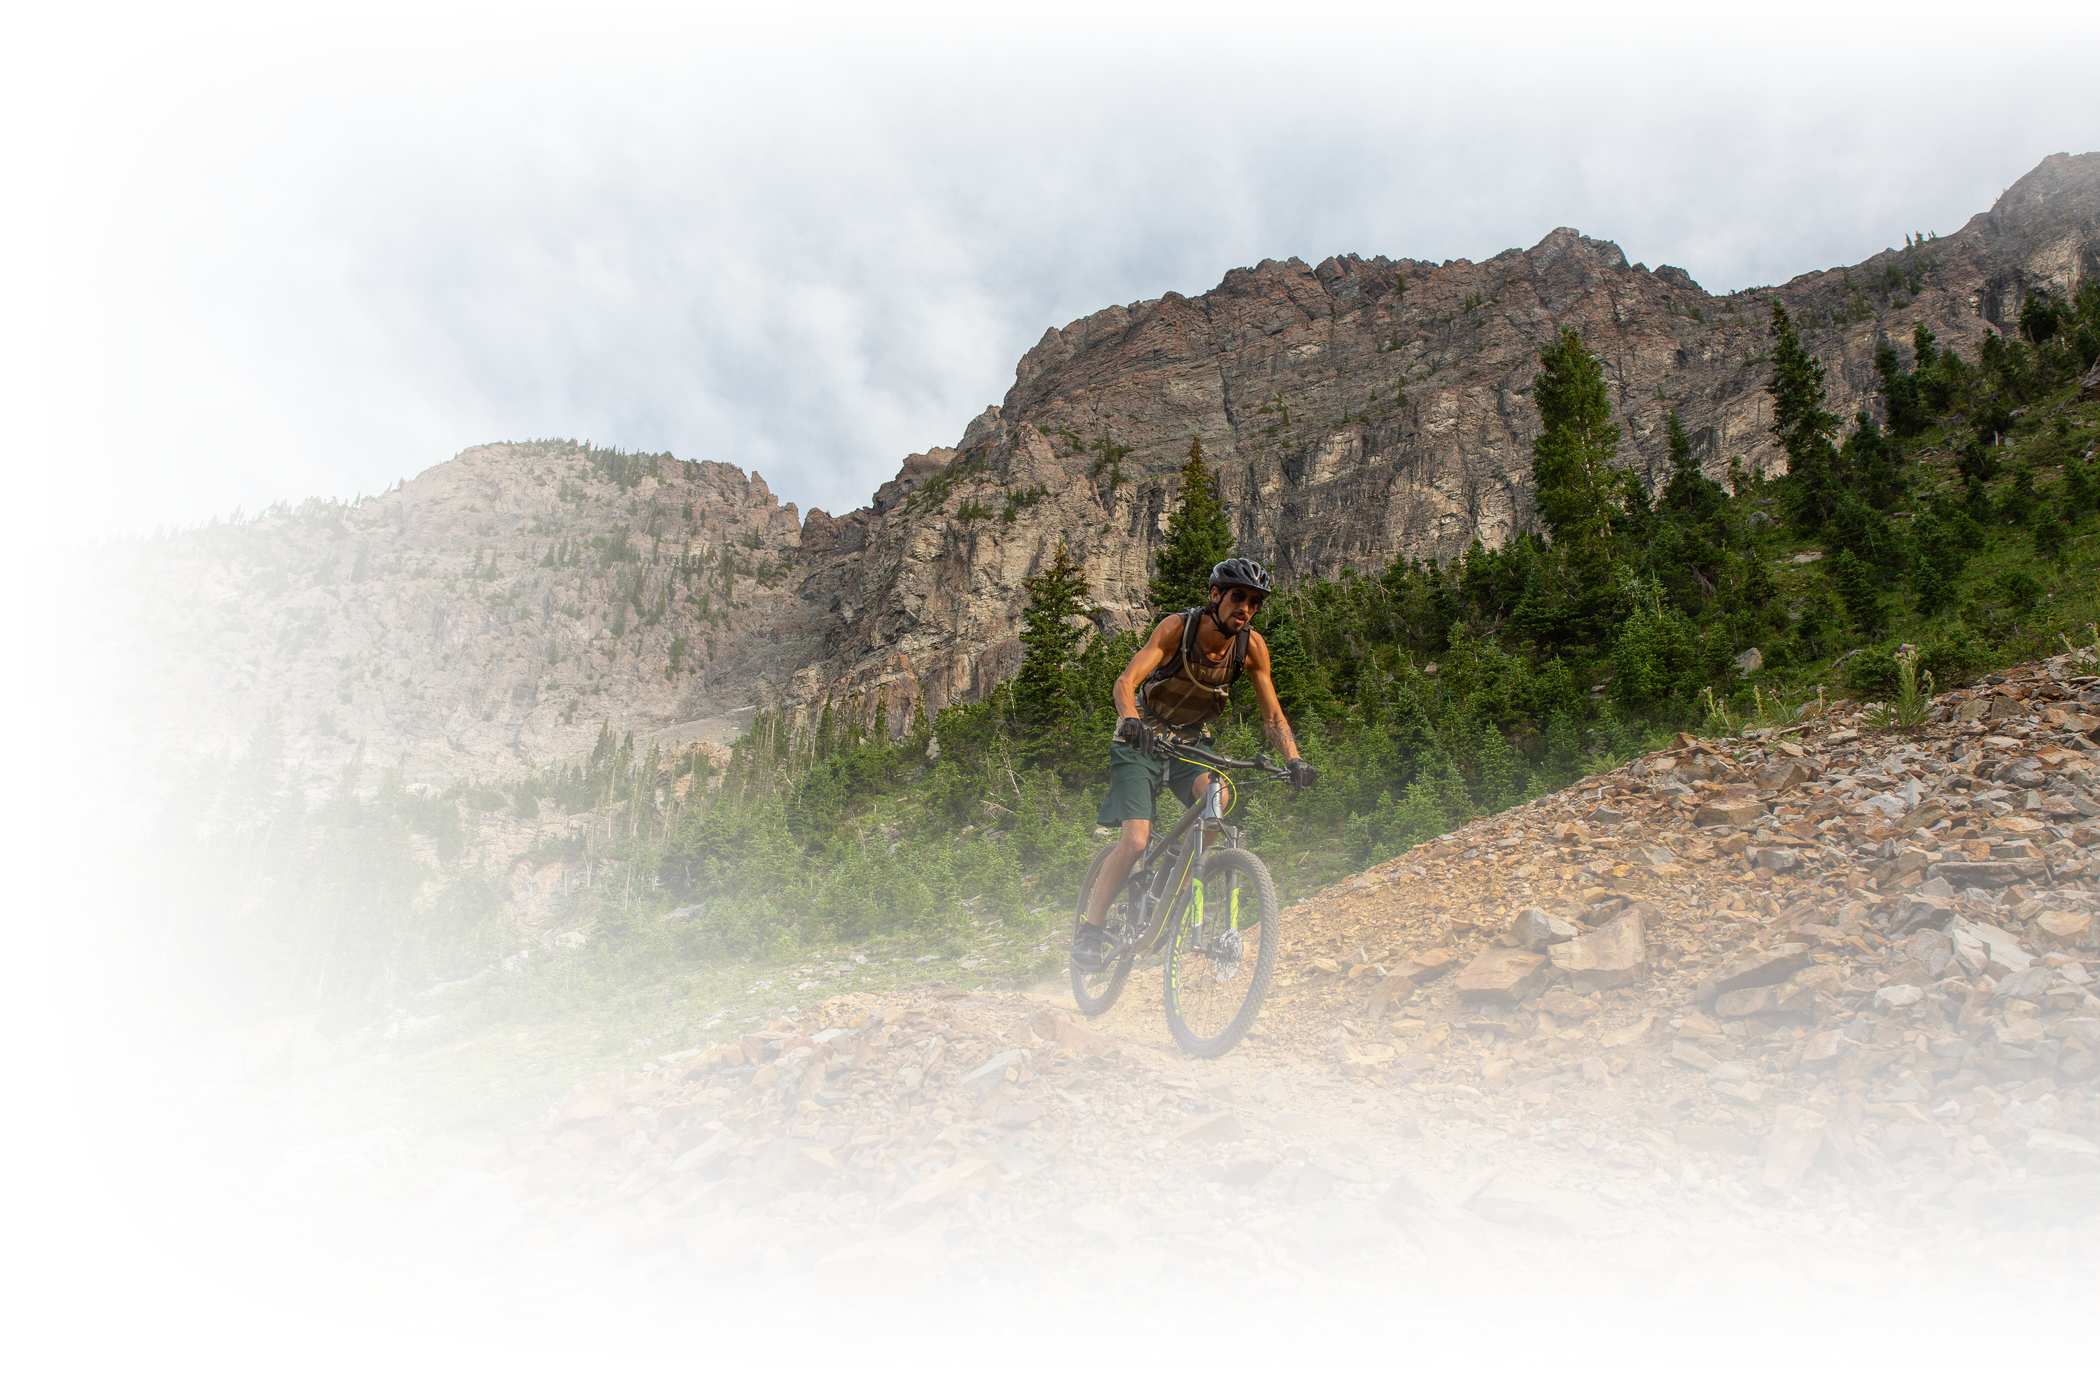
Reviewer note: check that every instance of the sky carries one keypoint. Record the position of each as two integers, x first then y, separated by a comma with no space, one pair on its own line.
274,257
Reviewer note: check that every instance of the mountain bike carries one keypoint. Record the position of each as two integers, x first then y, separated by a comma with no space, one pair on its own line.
1205,899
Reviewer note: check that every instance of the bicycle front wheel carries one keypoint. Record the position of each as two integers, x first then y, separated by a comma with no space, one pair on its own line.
1223,953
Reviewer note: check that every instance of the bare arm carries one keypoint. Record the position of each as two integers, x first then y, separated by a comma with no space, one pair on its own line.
1149,658
1273,724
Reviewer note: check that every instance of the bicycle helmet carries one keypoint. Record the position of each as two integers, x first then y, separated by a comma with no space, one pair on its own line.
1241,573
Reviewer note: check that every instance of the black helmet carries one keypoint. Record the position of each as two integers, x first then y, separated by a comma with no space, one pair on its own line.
1241,573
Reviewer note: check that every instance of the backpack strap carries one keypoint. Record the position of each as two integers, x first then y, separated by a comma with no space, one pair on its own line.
1178,660
1239,654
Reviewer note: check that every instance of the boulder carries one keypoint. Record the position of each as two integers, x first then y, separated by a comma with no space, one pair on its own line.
1507,975
1980,947
1535,930
1783,775
2064,925
1610,956
1741,811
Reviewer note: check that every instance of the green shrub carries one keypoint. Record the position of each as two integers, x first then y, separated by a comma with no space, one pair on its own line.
1654,661
1954,657
1871,672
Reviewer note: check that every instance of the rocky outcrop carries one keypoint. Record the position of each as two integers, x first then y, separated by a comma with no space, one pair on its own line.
1355,410
1359,409
472,624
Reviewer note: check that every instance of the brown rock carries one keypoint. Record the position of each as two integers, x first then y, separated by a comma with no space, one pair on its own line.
1503,974
1535,930
1970,874
1821,1048
1686,1052
2061,924
1980,947
1427,967
1754,967
1610,956
1566,1004
1737,812
1783,775
1746,1001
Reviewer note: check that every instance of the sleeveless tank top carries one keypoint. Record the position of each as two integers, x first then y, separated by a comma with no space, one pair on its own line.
1187,692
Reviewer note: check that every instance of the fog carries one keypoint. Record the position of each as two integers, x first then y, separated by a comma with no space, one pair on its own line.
268,257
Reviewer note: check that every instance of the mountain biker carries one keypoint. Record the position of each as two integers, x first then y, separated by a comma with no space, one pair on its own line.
1176,684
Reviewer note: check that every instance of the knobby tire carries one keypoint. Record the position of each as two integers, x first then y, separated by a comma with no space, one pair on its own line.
1185,963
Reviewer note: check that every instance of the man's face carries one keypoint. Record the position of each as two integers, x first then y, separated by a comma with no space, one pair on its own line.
1236,607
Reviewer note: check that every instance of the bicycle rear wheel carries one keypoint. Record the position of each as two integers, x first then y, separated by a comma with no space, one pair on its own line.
1095,992
1222,955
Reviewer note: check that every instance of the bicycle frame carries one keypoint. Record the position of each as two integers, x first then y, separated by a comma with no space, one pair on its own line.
1187,842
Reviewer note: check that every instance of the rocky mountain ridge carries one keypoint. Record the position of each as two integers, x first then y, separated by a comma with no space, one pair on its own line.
491,615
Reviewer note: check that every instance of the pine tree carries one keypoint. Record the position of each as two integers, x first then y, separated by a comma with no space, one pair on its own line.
1198,536
1046,703
1899,393
1863,601
1688,493
1682,459
1804,424
1874,467
1580,495
1301,684
1571,463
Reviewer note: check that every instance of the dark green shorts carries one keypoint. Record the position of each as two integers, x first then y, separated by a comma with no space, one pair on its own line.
1134,781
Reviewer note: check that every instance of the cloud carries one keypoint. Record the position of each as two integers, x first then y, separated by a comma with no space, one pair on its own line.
313,267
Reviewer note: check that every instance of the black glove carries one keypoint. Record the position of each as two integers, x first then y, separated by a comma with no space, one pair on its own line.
1132,731
1302,774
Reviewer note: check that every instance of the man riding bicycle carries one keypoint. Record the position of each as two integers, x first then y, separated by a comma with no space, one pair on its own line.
1177,683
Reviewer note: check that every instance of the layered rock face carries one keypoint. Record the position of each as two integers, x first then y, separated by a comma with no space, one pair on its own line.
470,625
1355,410
1361,409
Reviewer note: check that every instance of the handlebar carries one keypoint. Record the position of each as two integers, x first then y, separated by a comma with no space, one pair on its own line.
1208,758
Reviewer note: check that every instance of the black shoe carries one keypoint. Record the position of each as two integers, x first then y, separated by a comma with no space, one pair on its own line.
1091,948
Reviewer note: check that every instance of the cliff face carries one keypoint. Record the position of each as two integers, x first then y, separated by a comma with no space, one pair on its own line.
1354,410
471,624
1359,409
